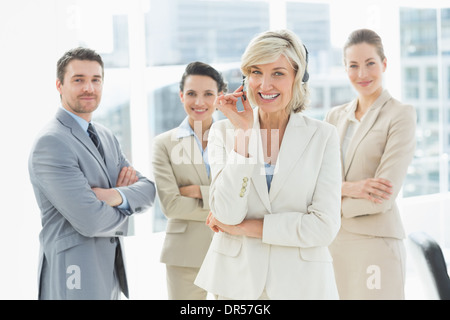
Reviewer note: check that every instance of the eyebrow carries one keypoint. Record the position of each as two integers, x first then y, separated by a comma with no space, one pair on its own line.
83,75
364,61
277,68
195,91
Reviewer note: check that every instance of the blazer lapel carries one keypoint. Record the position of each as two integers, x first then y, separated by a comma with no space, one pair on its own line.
82,136
369,119
256,151
296,139
192,152
341,126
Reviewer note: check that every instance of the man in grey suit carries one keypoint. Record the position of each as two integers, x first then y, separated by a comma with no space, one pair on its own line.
86,190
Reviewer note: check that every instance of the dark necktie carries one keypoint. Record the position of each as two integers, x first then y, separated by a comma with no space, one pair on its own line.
96,140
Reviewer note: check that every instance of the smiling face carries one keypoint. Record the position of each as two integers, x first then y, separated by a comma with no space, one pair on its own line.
81,91
198,98
365,69
271,85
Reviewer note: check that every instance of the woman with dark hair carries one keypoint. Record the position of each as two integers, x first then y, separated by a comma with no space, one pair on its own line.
182,176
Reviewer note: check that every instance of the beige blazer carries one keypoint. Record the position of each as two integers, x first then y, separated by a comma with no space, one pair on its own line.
178,162
301,214
382,147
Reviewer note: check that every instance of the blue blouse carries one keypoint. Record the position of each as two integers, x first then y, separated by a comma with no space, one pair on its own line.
269,174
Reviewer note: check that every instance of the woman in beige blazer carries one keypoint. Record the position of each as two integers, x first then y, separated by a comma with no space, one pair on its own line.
275,190
182,176
377,136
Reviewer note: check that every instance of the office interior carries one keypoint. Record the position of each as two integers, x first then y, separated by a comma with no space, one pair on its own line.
146,45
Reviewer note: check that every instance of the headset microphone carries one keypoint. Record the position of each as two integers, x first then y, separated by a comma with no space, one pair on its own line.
306,74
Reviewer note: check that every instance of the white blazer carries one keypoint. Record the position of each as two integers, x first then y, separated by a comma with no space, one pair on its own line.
301,213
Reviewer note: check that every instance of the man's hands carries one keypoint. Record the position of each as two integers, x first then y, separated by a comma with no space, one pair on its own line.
127,177
112,197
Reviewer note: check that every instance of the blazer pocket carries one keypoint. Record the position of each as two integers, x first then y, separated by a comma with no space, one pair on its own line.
69,241
226,244
176,227
319,254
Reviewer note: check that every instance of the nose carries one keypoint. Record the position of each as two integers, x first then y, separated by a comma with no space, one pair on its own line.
199,101
88,87
266,83
362,72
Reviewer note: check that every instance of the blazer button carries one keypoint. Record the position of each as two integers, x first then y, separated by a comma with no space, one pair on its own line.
112,240
242,194
245,179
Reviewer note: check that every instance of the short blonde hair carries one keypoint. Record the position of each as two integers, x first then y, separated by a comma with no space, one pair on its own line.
266,48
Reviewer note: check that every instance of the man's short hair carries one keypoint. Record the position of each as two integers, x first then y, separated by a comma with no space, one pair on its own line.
76,54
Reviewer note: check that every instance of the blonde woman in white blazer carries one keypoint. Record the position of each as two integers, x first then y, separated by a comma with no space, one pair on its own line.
275,190
182,176
377,134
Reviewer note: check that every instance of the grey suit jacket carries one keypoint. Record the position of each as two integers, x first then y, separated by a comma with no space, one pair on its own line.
80,233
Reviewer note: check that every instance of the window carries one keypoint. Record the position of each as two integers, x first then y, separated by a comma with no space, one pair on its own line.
411,82
432,83
147,43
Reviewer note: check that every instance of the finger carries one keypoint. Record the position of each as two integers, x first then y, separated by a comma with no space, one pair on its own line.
220,101
220,229
226,101
133,176
380,194
129,172
211,222
375,190
121,176
208,218
128,176
384,182
380,188
374,199
247,105
239,90
213,227
216,229
233,98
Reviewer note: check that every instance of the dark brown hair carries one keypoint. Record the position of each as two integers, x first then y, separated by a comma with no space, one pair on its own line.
365,36
76,54
202,69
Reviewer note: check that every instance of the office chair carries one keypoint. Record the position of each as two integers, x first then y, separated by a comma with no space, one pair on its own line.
430,264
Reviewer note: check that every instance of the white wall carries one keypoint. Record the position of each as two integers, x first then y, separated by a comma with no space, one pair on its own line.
33,35
27,100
